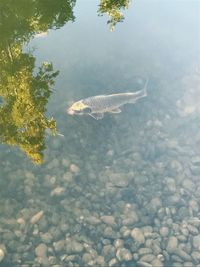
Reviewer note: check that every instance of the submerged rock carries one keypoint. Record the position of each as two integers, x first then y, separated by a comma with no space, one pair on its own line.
110,220
37,217
138,235
123,254
172,244
2,254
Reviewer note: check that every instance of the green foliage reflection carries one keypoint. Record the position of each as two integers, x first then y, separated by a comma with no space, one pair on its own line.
25,90
113,9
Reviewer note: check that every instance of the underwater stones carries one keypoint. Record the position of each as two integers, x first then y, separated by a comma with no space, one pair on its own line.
59,245
2,254
143,251
46,237
183,212
196,242
112,263
109,233
92,220
154,205
192,229
36,217
76,247
41,250
73,246
65,162
74,169
125,232
193,205
157,263
182,254
108,252
147,258
143,264
87,258
138,235
123,254
164,231
171,184
41,253
172,244
110,220
67,177
130,218
188,185
118,243
196,256
58,191
55,162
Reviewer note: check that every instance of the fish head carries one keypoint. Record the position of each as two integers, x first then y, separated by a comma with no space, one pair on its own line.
79,108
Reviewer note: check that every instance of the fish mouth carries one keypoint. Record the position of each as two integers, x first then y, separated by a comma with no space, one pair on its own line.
74,112
70,111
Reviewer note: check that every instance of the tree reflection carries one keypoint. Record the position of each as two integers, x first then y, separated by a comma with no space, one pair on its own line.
25,90
113,9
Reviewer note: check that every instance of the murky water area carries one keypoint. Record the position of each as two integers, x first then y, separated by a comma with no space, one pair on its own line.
122,191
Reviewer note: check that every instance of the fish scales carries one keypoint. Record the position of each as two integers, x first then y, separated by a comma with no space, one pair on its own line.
104,102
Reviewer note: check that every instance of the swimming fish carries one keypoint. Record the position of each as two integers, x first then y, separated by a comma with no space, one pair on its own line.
97,106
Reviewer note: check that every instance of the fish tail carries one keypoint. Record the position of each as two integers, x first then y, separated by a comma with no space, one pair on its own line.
139,94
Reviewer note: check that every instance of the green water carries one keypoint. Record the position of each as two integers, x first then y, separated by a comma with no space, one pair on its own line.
121,191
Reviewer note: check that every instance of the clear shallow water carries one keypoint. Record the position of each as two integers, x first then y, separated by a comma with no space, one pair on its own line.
122,191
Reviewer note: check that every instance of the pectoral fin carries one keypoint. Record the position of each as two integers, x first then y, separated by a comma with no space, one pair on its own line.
97,116
117,110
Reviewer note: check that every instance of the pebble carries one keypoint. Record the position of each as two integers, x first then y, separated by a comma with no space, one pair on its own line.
93,220
193,204
196,256
192,229
2,254
176,258
123,254
59,245
172,244
74,168
196,242
138,235
177,264
155,204
130,218
46,237
110,220
188,185
188,264
182,254
109,233
164,231
37,217
118,243
58,191
112,263
76,247
87,258
143,251
108,252
41,250
147,258
143,264
157,263
171,185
